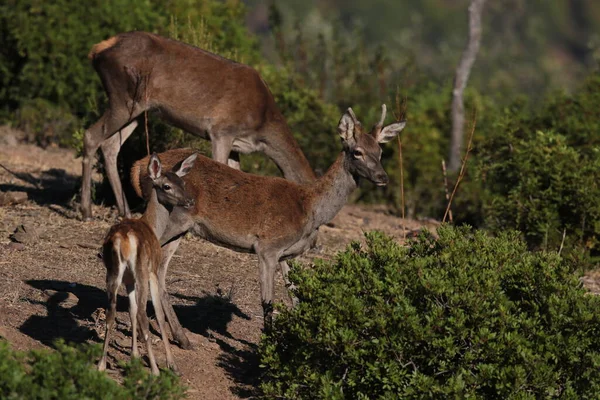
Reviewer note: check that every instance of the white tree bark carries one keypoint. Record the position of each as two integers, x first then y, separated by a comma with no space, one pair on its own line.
460,82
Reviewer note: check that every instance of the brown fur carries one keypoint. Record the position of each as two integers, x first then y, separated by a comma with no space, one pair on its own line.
147,241
100,47
200,92
218,187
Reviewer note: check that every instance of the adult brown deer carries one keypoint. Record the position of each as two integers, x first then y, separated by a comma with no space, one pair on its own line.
272,217
132,254
200,92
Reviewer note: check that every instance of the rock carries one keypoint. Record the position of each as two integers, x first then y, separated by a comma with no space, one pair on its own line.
65,299
10,198
70,301
15,246
26,234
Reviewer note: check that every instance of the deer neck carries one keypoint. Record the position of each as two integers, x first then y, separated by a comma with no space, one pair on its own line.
332,190
288,155
156,215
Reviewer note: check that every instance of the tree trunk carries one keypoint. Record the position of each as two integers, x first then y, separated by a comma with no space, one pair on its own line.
460,82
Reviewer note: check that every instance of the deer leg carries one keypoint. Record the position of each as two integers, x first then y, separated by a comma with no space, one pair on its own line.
110,149
112,288
155,290
178,334
133,315
285,269
221,147
234,160
110,122
267,263
142,315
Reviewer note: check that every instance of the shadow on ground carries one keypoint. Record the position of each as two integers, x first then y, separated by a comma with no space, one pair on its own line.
211,314
69,323
54,186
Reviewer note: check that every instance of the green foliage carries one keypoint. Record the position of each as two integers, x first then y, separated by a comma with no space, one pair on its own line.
216,26
463,316
46,123
542,186
539,171
575,116
68,373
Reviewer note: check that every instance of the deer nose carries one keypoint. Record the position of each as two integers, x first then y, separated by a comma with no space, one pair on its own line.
189,203
381,179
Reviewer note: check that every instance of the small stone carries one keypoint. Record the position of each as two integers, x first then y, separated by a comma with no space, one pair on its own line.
10,198
15,246
70,301
65,299
26,234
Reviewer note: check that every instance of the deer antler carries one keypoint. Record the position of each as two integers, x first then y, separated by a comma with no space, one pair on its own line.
351,112
383,112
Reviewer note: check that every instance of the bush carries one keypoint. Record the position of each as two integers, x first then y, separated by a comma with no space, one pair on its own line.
543,186
539,171
46,124
68,373
463,316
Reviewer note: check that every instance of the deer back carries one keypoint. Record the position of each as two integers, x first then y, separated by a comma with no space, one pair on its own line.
131,239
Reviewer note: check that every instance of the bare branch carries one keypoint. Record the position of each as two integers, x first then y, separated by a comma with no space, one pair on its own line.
460,82
461,174
446,189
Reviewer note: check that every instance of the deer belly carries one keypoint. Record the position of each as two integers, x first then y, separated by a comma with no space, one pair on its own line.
239,243
300,246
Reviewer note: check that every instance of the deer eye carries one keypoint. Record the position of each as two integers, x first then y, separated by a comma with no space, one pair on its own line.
166,186
357,154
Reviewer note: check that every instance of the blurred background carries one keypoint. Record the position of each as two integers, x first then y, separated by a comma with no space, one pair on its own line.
534,88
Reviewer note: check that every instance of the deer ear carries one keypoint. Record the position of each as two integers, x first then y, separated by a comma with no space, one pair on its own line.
346,128
154,167
389,132
186,165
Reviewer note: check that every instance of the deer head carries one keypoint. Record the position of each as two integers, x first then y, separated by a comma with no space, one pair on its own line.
170,188
363,153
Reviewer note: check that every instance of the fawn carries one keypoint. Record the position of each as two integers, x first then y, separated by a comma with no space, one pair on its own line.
132,255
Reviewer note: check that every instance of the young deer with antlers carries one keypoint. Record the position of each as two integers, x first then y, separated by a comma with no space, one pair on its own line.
272,217
132,254
202,93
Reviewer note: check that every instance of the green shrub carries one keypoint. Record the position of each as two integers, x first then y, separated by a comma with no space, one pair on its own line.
68,374
543,186
463,316
46,123
575,116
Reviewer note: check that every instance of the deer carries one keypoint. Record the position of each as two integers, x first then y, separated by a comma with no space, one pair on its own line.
132,255
276,219
200,92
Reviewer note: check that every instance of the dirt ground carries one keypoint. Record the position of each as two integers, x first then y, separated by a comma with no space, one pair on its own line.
52,285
